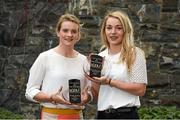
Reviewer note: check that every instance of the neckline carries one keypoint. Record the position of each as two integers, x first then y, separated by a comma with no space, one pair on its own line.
118,53
62,56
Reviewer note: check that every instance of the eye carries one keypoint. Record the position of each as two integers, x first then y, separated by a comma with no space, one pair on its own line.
65,30
108,27
119,28
74,31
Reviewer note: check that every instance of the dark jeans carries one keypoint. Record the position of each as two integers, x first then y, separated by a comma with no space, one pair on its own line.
119,113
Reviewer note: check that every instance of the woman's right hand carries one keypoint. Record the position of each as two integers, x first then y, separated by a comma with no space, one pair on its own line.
58,98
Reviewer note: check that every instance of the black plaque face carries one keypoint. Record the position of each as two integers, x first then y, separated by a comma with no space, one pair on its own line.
74,91
96,66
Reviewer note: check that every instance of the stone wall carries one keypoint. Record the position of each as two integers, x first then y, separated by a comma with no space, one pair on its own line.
27,28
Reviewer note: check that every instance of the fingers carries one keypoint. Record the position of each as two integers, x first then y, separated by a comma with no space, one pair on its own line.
84,93
59,97
59,91
91,79
86,89
86,97
79,105
65,101
85,74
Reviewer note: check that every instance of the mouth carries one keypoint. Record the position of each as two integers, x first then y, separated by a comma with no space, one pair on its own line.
68,40
113,37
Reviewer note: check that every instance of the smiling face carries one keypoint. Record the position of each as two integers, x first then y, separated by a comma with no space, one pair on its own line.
68,33
114,31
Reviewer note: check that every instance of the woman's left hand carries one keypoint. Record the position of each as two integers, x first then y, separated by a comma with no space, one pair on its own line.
86,97
99,80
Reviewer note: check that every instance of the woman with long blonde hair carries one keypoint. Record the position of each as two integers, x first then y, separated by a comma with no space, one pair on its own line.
119,89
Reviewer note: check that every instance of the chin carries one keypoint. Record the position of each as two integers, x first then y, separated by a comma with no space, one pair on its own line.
116,43
69,45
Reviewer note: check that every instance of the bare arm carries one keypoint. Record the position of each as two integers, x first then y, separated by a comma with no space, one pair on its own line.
94,87
54,98
133,88
95,90
42,97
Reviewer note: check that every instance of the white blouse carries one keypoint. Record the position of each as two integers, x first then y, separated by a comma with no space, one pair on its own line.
50,72
111,97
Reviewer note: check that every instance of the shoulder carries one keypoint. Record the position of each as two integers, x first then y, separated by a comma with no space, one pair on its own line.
140,55
139,51
44,53
104,52
81,56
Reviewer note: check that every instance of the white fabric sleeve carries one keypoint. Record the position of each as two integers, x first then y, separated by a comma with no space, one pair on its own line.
36,77
139,71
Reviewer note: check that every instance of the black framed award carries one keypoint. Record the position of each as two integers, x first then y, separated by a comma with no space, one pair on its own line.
74,91
96,65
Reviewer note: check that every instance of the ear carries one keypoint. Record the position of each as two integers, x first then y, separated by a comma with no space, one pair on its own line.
79,37
57,33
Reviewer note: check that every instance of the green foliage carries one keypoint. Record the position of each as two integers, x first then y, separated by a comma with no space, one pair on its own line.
159,112
156,112
5,114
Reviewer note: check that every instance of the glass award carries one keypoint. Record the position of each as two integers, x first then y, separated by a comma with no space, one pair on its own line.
96,66
74,91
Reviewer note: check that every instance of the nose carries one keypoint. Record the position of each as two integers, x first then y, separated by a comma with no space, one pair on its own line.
113,30
69,33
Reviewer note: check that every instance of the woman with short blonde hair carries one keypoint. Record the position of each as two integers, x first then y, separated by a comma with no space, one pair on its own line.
51,73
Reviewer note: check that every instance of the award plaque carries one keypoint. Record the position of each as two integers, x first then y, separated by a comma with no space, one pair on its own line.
74,91
96,65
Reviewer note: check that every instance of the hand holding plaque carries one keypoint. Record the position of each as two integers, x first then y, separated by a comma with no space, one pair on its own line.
95,66
73,93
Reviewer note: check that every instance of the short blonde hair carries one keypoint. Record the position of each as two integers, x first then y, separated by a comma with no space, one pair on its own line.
68,17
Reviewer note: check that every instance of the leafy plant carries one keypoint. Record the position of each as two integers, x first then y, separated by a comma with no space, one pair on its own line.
159,112
5,114
145,112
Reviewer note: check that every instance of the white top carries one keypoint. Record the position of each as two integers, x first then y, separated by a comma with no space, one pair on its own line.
50,71
111,97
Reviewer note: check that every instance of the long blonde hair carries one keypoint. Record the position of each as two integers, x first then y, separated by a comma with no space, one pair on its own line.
128,49
68,17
